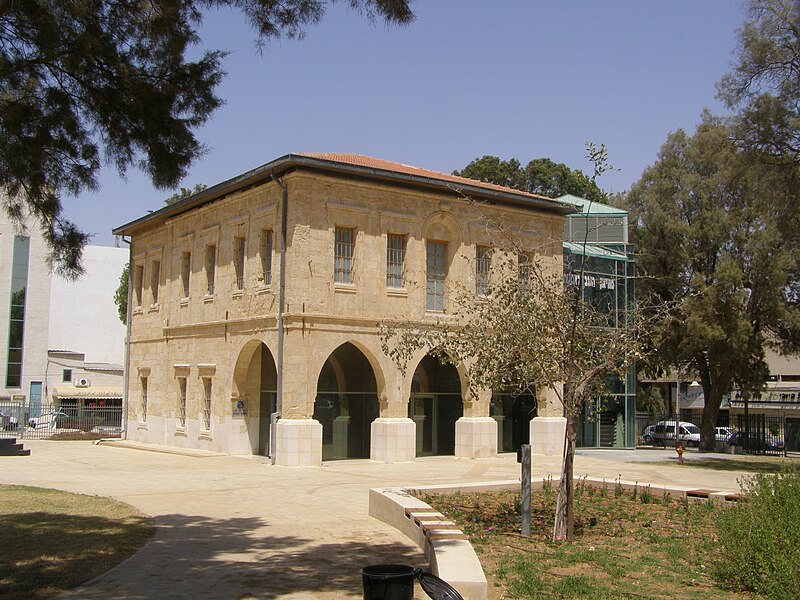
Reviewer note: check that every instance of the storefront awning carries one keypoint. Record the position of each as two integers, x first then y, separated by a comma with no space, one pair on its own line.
71,391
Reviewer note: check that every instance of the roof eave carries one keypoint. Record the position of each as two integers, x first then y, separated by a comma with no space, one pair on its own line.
289,162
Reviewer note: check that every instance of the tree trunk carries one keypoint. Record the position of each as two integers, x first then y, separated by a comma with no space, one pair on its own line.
565,515
708,437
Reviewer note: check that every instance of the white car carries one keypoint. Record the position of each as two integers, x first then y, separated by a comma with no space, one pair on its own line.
664,431
8,422
723,433
47,420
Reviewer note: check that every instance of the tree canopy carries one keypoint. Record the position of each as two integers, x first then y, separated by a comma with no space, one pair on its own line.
89,82
764,85
709,242
185,192
539,176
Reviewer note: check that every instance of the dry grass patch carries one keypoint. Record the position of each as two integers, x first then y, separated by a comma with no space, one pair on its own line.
53,541
626,545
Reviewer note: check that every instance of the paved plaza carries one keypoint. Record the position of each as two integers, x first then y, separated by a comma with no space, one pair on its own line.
233,527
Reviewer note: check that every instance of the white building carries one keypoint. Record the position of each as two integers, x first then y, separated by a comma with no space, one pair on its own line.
46,320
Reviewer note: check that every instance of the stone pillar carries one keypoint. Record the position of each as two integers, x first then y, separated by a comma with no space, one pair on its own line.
476,437
393,436
547,435
549,426
298,443
393,440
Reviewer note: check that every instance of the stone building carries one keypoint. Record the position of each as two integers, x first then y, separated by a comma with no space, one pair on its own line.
256,303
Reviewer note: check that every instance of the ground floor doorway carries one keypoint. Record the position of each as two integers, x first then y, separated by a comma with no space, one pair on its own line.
513,413
346,404
435,406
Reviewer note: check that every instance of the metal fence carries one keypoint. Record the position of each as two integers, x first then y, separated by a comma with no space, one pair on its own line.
757,434
49,421
760,434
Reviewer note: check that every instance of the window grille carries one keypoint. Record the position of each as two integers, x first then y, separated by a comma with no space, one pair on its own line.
186,272
524,271
182,401
155,274
343,255
266,256
138,284
239,254
207,403
395,259
144,398
436,274
211,268
483,263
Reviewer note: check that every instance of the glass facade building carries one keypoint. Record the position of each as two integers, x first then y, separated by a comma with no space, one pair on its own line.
596,245
16,325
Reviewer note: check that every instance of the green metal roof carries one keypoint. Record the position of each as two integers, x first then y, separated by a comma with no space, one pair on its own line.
590,207
595,250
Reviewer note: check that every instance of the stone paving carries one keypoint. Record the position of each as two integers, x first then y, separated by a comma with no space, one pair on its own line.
232,527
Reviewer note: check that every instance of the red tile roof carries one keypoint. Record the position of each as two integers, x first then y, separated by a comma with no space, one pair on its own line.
360,160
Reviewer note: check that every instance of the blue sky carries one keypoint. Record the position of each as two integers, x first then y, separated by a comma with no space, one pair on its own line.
512,78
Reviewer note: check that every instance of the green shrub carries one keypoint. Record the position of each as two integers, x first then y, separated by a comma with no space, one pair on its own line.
760,537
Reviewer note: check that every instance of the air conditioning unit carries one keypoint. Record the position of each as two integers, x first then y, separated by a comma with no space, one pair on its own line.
82,382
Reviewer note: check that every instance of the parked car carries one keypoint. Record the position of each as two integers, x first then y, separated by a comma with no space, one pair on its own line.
755,442
48,420
664,431
8,422
723,434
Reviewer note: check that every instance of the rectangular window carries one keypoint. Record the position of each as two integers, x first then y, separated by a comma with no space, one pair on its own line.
524,271
238,261
207,403
155,274
16,324
66,375
143,381
138,285
186,272
483,263
343,255
436,275
395,259
266,256
182,401
211,268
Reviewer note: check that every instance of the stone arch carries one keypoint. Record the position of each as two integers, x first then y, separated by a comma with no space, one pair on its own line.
254,392
243,358
346,402
442,226
436,403
371,350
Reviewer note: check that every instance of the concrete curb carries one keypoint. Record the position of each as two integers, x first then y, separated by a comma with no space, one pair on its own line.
131,445
448,550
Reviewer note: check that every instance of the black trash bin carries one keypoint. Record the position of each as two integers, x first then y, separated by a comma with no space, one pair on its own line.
388,582
396,582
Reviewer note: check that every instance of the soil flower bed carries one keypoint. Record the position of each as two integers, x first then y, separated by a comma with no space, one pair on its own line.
626,544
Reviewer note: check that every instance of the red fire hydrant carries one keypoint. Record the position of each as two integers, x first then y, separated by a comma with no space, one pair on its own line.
679,450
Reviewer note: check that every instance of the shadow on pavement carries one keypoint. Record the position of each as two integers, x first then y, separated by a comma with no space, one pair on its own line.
200,557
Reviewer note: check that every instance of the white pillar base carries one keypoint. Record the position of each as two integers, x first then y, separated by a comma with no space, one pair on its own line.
547,435
393,440
298,443
476,437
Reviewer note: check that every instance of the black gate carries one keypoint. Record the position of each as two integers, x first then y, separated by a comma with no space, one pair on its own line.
760,434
